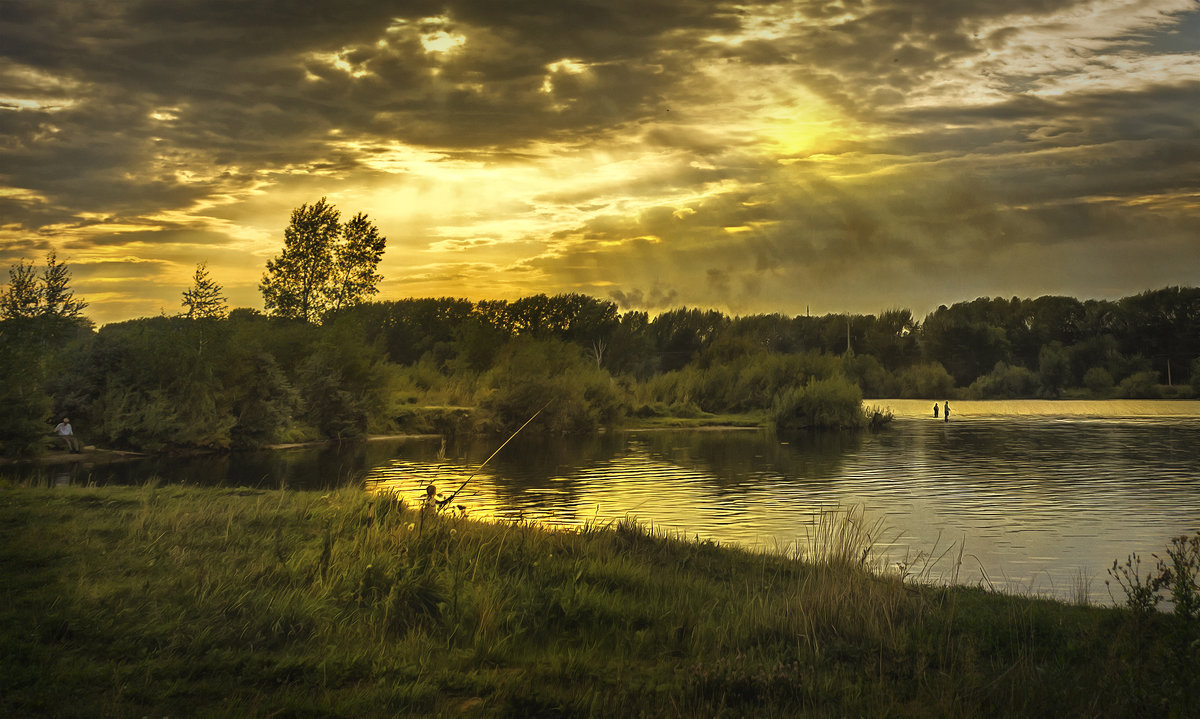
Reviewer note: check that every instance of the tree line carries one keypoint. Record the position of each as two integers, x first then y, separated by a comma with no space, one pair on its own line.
325,361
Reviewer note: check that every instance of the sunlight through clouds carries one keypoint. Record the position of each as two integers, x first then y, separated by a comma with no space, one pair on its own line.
835,156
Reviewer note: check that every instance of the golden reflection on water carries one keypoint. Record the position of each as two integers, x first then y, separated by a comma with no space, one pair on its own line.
986,409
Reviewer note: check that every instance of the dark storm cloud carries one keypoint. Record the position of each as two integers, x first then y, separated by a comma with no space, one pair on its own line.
963,132
251,84
234,80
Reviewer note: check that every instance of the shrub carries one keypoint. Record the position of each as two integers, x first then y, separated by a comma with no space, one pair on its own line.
554,377
834,403
1176,578
1005,382
1054,369
1098,381
925,381
1139,385
870,375
742,384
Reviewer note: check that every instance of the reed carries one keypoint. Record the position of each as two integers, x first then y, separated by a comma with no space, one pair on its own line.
168,600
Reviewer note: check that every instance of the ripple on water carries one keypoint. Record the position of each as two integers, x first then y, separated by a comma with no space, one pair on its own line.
1032,500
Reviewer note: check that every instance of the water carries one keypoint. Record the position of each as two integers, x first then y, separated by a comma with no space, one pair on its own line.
1027,497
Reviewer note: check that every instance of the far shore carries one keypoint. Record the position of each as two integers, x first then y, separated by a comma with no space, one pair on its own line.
101,455
901,409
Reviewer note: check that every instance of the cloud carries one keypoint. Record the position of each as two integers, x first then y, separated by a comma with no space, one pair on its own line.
759,156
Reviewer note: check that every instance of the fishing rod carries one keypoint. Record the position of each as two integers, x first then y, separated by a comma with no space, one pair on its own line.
450,499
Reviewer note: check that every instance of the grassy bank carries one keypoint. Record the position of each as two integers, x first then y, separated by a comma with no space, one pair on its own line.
177,601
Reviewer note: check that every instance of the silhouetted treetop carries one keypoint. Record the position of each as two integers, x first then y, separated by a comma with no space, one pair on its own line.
325,265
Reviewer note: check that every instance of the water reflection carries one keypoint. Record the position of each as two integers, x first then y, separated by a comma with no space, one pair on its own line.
1031,500
312,467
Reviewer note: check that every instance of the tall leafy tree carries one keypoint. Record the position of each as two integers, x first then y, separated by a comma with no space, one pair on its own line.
355,263
325,265
38,317
204,299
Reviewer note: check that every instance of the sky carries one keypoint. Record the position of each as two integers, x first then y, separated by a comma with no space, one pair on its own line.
792,157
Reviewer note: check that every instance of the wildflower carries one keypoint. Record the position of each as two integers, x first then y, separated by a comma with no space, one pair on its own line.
411,526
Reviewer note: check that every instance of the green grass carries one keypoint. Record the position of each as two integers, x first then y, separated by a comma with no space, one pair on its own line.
172,601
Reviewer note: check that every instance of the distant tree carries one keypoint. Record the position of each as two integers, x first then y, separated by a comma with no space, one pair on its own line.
1139,385
49,295
968,338
204,298
1098,381
325,265
680,334
892,338
23,298
57,298
925,381
1054,368
1005,381
630,348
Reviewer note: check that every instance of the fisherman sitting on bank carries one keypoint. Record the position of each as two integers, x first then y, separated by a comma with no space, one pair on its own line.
68,435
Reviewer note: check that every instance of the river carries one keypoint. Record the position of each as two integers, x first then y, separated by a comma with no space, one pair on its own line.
1028,497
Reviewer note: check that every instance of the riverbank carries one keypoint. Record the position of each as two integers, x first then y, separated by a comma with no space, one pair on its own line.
137,601
99,455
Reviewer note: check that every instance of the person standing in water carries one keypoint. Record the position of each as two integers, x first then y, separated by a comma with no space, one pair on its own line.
946,412
935,410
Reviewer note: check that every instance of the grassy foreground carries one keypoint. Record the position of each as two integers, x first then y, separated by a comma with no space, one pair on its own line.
172,601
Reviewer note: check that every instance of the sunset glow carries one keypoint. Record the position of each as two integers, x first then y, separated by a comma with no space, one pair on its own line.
750,157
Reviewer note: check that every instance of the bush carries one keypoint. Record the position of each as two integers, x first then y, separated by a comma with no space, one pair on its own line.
742,384
1005,382
1098,381
335,412
870,375
1054,369
572,394
1139,385
925,381
834,403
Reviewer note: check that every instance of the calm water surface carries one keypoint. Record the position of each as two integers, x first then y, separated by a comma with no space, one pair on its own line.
1035,497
